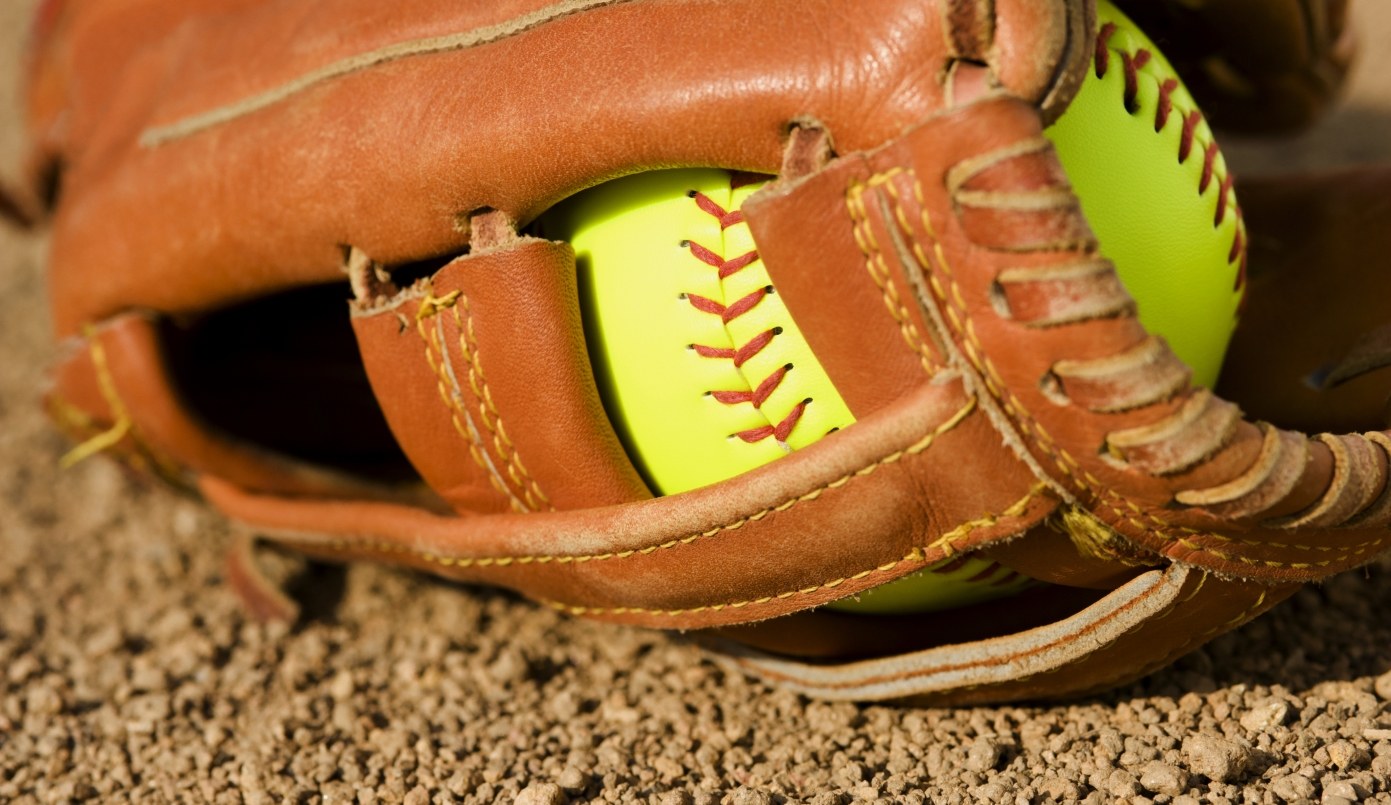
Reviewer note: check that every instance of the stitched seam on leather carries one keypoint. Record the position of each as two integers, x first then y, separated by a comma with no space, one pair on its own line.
1352,552
340,544
1081,479
492,419
960,321
1193,642
1241,618
121,425
898,679
951,318
192,124
1133,64
947,543
758,393
81,427
451,395
143,456
879,272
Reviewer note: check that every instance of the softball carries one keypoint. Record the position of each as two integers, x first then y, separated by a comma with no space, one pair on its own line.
705,374
1157,192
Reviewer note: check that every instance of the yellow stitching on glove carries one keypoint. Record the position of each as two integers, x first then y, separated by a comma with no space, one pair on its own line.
112,436
946,544
344,544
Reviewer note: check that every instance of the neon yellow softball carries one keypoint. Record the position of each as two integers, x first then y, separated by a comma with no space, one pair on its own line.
706,375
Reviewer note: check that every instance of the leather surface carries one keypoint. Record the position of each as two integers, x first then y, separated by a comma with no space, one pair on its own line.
861,507
165,114
494,331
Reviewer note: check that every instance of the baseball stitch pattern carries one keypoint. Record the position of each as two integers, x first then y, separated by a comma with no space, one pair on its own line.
757,393
1195,134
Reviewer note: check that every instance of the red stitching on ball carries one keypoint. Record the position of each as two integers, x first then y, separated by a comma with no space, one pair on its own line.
731,312
743,354
728,313
1190,127
985,573
1103,55
726,267
759,395
1132,64
1166,103
1209,165
726,219
1221,201
1010,577
780,431
1238,248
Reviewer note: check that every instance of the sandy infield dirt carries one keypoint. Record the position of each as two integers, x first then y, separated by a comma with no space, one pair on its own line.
129,673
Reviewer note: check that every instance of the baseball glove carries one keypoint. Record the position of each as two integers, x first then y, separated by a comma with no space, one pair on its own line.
291,268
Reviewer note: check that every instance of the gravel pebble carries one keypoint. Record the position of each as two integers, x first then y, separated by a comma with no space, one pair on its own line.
1340,789
1215,758
541,794
573,780
1163,778
1266,716
1293,788
984,754
1344,755
1382,686
750,796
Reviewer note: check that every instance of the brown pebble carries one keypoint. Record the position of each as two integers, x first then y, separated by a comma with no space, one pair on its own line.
1340,789
1344,755
1266,716
1059,789
1293,788
1382,686
984,754
573,780
1122,783
542,794
1163,778
342,685
750,796
1215,758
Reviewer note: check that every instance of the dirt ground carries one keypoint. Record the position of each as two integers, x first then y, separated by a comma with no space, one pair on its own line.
128,672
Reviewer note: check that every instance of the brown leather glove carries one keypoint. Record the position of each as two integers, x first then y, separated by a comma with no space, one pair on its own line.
227,174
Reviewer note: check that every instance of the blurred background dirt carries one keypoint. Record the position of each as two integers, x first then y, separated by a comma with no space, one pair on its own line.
128,673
